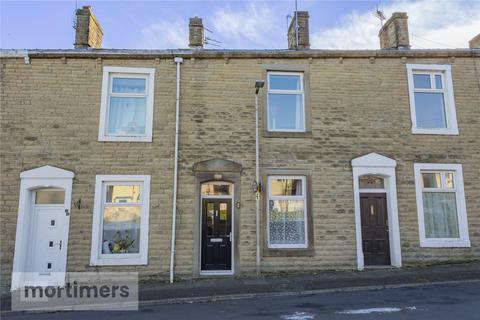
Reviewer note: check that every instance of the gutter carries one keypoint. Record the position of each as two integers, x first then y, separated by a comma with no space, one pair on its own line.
14,53
242,54
178,61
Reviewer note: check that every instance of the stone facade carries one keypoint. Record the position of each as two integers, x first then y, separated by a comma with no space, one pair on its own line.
359,104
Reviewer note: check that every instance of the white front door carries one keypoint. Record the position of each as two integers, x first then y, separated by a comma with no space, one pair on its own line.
46,263
40,256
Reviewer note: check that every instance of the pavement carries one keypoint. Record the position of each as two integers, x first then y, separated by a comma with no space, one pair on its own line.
459,301
222,289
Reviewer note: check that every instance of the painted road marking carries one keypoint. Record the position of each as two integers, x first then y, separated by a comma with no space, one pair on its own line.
298,316
377,310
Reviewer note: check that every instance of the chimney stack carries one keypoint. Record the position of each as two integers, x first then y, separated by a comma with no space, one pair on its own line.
394,33
88,32
196,33
475,42
303,35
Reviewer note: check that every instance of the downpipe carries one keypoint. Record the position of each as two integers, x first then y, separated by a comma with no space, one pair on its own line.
178,61
257,193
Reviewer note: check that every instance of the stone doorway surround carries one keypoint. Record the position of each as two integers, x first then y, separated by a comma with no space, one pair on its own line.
216,170
31,180
376,164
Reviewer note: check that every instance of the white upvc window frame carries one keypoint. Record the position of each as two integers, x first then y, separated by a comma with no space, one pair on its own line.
126,72
302,197
295,92
101,183
447,89
463,239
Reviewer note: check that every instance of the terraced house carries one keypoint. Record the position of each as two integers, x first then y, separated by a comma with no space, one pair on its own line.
145,160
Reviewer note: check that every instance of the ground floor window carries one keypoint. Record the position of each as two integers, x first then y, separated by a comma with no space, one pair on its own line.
441,205
120,223
287,212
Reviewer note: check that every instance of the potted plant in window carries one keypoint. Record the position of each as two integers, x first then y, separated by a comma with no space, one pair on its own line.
121,244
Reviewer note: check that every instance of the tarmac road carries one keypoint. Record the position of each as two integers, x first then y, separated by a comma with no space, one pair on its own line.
458,301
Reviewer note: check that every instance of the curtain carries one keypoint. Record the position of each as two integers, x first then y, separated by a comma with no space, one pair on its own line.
127,115
287,222
440,215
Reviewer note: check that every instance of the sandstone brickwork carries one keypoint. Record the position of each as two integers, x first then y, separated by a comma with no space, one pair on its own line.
50,116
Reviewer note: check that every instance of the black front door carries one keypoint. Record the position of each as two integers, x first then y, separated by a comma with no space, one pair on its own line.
216,234
375,242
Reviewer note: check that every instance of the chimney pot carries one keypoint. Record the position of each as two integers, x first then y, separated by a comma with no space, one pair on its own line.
196,33
475,42
303,32
394,33
89,33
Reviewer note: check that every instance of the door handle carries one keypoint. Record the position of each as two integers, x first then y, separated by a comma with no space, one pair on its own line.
60,245
230,236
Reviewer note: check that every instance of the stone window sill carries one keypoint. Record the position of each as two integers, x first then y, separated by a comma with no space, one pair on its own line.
294,252
279,134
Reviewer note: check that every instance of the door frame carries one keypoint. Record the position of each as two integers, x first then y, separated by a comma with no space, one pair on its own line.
232,227
216,170
30,181
376,164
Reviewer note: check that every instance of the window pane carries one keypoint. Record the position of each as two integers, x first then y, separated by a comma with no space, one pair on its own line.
286,187
287,222
449,180
285,82
210,189
432,180
123,194
49,197
127,115
128,85
210,218
430,110
422,81
438,82
285,111
121,230
371,182
222,220
440,214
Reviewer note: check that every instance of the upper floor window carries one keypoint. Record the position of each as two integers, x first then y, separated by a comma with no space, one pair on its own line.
432,104
441,205
286,102
127,104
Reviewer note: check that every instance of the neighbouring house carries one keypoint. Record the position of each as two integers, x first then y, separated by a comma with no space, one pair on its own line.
366,157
